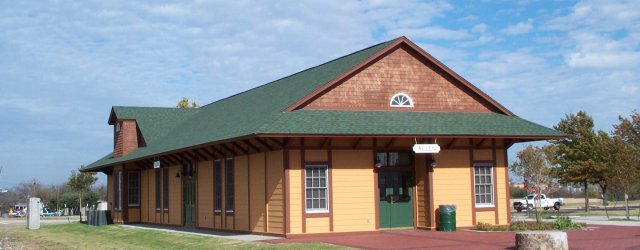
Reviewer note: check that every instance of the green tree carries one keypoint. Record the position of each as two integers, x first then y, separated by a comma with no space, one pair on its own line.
575,154
533,166
81,182
625,155
629,129
184,104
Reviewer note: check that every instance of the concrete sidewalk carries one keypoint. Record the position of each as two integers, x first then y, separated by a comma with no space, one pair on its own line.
206,233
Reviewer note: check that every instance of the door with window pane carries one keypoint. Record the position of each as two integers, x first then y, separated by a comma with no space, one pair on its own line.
189,199
395,191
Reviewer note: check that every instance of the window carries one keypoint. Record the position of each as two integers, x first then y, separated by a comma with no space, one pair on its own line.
117,127
165,188
393,159
401,100
228,184
483,184
217,186
117,186
316,188
134,189
158,189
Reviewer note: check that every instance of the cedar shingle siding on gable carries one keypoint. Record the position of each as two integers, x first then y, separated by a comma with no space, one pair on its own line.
401,71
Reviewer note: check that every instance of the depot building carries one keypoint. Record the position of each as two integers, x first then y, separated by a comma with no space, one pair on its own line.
372,140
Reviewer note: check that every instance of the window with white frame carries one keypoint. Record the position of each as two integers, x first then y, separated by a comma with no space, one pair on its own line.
483,184
316,188
401,100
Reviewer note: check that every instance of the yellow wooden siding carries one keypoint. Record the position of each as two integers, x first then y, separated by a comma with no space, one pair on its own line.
275,191
175,196
318,225
257,193
204,190
353,191
485,217
503,192
452,184
133,214
241,199
295,202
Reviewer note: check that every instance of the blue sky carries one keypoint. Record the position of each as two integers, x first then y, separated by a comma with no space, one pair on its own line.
64,64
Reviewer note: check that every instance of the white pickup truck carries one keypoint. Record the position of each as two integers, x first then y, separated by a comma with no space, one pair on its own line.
530,202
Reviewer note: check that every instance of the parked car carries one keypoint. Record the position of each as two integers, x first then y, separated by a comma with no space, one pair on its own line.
529,202
46,212
18,214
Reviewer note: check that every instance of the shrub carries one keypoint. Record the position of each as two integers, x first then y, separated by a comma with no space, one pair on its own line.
563,222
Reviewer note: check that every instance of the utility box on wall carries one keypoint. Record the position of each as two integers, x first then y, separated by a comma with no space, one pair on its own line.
33,213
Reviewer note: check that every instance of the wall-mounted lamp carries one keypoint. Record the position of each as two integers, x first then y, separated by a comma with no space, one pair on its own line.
178,175
433,162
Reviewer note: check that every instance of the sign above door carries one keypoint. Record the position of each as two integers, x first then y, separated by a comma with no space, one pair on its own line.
426,148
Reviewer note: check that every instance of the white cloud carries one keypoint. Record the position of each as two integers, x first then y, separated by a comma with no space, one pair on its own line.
520,28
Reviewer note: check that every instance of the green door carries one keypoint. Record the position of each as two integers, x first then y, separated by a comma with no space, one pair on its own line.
189,200
396,199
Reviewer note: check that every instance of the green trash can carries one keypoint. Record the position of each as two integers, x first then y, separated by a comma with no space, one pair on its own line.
448,218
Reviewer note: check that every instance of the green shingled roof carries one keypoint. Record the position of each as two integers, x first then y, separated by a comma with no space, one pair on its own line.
333,122
261,111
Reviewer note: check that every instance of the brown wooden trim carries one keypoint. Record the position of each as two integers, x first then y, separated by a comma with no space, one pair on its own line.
471,174
415,193
357,143
506,179
264,143
219,151
236,145
229,149
432,217
448,146
391,141
248,143
376,197
266,196
330,175
479,136
485,209
287,196
479,143
495,180
318,215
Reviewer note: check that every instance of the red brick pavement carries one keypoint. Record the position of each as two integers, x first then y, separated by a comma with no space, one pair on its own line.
595,237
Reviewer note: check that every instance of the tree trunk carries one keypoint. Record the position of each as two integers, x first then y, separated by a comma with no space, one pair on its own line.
80,207
586,196
626,205
605,202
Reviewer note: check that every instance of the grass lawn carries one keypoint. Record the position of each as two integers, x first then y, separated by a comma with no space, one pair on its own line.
80,236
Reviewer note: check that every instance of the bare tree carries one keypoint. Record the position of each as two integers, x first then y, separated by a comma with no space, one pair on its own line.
533,165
